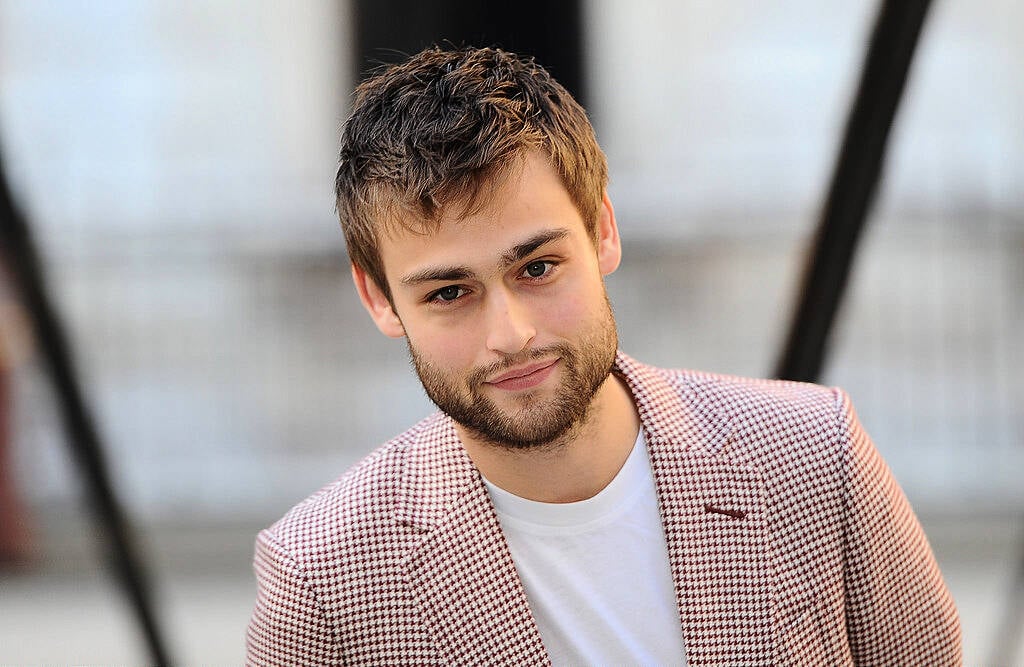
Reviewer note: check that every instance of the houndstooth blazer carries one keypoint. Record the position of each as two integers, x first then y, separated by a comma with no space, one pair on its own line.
789,542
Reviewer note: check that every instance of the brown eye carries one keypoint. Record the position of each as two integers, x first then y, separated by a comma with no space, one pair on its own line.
449,293
536,269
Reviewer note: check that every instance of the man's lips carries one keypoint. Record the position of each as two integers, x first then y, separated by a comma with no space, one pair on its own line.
524,376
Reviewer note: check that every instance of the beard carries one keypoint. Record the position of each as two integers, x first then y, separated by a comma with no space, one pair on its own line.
535,421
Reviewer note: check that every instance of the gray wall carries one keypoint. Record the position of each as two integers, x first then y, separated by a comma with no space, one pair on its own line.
177,160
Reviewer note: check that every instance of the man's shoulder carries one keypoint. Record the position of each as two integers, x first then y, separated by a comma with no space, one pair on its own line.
734,395
363,496
796,436
741,393
766,422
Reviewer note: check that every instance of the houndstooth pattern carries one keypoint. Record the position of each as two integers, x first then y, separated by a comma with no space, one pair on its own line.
789,543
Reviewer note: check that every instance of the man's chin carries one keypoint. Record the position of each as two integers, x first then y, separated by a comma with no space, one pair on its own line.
519,429
521,442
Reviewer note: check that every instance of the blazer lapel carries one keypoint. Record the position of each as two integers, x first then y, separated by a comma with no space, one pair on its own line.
462,574
713,513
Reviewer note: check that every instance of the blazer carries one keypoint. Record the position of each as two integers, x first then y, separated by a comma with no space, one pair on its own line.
789,541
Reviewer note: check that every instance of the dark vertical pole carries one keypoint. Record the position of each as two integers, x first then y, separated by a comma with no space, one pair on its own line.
18,251
854,182
856,176
389,30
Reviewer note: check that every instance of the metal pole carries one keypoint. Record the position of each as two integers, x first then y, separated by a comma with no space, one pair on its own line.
854,181
18,251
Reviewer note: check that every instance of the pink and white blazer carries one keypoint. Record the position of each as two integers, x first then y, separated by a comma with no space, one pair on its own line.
789,541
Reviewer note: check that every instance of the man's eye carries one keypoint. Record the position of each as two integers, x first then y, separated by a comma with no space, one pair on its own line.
536,269
448,293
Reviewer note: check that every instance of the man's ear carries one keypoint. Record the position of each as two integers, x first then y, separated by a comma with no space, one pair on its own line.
609,249
377,304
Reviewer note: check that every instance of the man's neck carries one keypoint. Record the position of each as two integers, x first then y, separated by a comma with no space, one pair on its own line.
574,470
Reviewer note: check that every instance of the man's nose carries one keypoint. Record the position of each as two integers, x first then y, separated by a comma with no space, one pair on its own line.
510,327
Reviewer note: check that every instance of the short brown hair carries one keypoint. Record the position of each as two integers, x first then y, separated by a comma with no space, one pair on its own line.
431,132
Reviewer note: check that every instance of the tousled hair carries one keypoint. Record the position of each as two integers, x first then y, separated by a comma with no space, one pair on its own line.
441,130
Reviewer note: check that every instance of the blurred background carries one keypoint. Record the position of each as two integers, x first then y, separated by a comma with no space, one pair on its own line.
176,159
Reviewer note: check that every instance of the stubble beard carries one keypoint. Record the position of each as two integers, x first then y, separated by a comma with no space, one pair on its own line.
535,421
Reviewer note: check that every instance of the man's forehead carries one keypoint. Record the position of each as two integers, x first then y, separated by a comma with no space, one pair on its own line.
426,213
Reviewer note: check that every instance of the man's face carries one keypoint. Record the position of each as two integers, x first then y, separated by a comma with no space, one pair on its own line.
505,311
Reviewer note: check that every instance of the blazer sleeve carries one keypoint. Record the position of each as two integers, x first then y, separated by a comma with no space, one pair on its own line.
288,626
898,610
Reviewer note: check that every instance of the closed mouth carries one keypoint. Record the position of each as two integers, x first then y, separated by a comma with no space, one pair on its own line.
522,371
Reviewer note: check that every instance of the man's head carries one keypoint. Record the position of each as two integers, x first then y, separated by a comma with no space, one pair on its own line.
435,133
472,195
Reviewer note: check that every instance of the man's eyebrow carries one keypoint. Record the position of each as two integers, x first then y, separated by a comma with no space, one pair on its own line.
527,247
438,274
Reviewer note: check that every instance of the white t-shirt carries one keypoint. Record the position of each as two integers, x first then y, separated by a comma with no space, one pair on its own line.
596,572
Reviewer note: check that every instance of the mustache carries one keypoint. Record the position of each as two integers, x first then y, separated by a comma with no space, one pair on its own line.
480,375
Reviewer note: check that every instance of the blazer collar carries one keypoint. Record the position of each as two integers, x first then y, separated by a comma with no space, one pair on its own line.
673,415
461,573
436,472
712,508
713,511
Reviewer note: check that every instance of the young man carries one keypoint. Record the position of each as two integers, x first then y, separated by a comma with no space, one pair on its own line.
568,504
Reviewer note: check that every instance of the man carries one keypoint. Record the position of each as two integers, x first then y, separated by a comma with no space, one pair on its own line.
569,504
